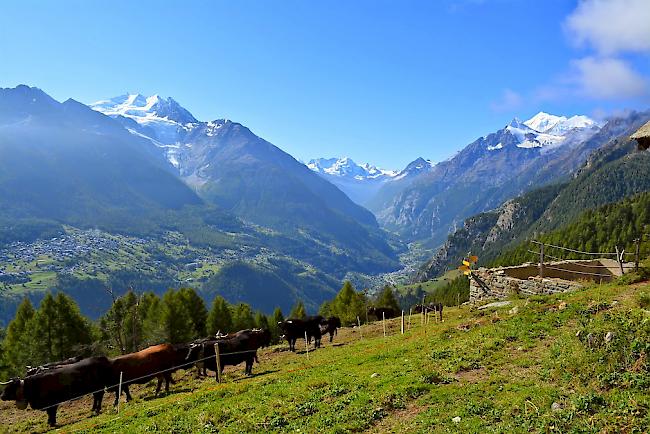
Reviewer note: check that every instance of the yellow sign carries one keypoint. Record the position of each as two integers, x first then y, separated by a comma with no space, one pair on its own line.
463,268
467,273
466,263
473,258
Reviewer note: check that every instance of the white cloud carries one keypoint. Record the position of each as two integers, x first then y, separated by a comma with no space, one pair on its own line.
611,26
510,100
606,78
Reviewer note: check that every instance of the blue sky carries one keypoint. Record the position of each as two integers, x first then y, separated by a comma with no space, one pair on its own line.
379,81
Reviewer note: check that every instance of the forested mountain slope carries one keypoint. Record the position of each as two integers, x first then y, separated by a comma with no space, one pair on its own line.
611,173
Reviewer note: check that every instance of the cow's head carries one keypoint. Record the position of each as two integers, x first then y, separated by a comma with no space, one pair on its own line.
15,391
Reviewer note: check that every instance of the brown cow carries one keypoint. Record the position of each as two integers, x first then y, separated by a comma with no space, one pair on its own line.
158,361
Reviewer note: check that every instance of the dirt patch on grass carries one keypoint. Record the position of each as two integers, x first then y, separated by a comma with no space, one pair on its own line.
472,375
395,422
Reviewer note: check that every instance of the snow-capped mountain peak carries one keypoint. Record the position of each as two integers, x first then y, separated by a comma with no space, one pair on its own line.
345,167
543,121
165,117
543,130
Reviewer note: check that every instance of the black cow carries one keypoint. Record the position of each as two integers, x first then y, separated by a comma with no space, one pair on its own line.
431,307
234,349
295,328
330,325
382,312
48,389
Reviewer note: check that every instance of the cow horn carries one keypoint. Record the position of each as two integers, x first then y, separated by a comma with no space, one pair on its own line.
4,383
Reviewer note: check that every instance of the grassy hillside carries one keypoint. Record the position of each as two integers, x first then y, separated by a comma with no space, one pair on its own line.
521,368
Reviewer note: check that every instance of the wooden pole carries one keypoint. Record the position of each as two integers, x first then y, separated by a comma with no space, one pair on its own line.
637,247
217,356
119,392
619,258
383,316
541,260
402,322
359,322
422,313
306,345
410,313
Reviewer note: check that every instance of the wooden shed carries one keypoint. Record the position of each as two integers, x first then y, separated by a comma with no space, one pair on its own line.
642,137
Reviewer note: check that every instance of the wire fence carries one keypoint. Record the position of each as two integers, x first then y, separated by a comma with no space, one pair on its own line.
150,376
427,317
619,257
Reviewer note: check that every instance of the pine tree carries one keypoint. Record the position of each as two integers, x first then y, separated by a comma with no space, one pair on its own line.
154,330
261,321
198,312
176,318
274,327
386,298
349,304
220,317
242,317
18,343
298,311
4,362
325,309
123,324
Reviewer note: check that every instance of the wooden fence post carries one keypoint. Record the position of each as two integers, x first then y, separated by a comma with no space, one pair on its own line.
637,247
619,258
541,260
217,356
402,322
306,345
410,313
383,316
422,313
359,322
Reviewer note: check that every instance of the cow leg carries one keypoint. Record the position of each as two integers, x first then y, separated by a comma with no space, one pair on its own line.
51,415
159,386
168,379
331,336
129,398
98,397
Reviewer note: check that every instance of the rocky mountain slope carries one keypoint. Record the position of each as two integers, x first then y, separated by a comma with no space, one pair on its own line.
612,172
229,166
488,171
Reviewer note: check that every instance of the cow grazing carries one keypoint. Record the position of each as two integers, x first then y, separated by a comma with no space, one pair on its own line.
382,312
48,389
431,307
234,349
330,325
294,329
158,361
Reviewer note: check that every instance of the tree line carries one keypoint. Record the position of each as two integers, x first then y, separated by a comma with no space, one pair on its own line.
57,330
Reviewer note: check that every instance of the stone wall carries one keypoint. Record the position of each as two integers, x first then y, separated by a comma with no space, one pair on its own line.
501,285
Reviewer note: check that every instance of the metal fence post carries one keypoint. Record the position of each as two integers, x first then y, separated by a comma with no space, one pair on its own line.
402,322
